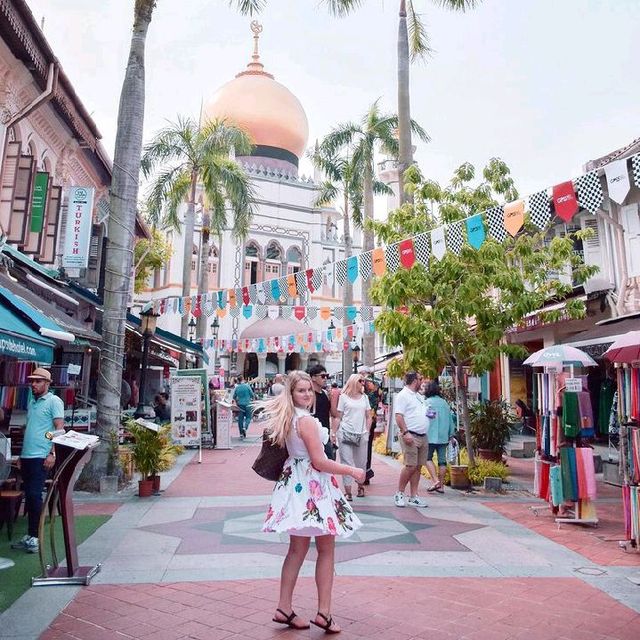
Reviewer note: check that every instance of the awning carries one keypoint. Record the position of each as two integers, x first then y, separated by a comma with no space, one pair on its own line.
596,341
19,340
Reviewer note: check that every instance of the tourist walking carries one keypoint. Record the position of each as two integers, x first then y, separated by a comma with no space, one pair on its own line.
410,415
440,429
352,424
45,414
306,500
322,406
243,395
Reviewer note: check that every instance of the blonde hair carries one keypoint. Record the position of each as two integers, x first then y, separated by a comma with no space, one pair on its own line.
279,410
353,387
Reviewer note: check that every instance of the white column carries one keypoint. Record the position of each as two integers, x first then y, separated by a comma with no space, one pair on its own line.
262,365
281,360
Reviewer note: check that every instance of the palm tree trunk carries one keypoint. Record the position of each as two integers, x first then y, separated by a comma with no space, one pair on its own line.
405,154
368,339
203,277
347,292
189,223
119,252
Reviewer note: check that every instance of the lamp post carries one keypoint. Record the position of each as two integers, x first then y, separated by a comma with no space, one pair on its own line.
148,325
355,354
215,327
192,329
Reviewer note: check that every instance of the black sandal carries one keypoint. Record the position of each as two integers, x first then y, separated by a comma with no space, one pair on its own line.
326,627
289,620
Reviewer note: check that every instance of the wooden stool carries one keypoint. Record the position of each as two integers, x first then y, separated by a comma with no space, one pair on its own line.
10,502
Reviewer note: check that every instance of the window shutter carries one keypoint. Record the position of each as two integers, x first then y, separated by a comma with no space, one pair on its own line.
33,240
21,195
8,183
631,223
48,248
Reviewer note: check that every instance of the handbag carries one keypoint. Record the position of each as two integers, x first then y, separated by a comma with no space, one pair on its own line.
271,459
350,437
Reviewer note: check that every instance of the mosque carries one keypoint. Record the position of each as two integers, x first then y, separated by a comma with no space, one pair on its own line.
288,232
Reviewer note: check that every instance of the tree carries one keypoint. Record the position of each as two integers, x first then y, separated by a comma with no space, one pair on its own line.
375,132
413,43
456,310
120,239
186,156
150,255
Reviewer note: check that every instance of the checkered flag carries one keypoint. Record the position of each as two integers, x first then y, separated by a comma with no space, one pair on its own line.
635,169
301,282
239,301
366,313
341,272
235,311
312,312
260,311
455,239
338,313
422,248
495,221
253,294
316,278
285,312
393,257
540,209
366,265
208,307
284,288
590,194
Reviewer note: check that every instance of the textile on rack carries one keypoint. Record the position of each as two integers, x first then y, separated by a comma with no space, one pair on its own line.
634,454
586,415
605,402
570,414
555,481
541,478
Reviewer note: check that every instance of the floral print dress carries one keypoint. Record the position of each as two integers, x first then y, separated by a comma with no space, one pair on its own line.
307,502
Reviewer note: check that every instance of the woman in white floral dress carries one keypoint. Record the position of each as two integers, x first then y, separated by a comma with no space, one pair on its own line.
306,501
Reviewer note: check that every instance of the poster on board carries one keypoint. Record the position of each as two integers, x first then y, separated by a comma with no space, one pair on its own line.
393,443
186,405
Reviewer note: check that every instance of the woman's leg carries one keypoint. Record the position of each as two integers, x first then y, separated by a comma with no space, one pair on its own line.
360,459
346,457
325,546
298,547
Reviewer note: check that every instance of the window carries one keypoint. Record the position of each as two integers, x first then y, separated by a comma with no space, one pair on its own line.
251,264
294,260
273,262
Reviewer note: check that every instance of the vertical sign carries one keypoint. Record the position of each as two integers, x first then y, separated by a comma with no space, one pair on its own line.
38,201
186,402
78,232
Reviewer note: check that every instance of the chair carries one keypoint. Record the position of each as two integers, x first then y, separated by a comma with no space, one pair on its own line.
10,501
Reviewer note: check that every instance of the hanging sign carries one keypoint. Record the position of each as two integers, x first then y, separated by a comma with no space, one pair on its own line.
564,200
78,230
38,201
617,180
573,384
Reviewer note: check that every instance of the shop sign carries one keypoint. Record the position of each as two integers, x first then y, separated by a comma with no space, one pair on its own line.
78,230
25,350
573,384
38,201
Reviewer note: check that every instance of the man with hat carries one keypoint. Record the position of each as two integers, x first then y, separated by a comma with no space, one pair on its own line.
45,414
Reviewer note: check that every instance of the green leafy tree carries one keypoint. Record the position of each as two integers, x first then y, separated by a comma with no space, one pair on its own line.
375,133
456,311
150,255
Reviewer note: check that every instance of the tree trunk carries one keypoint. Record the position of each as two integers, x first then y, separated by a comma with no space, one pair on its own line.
464,403
189,223
347,292
203,278
405,154
119,250
368,339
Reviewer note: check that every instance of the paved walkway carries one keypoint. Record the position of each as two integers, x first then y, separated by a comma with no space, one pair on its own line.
193,564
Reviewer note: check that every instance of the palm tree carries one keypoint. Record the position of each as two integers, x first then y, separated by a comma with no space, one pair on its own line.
375,132
187,155
413,43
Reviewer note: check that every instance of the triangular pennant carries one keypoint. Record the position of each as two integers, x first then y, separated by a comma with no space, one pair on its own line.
310,284
564,200
210,307
273,312
540,209
299,313
325,313
312,312
338,312
366,313
285,312
365,265
590,195
245,295
329,274
495,222
392,257
514,217
235,311
253,294
261,296
455,239
617,180
635,167
316,279
247,311
233,301
196,306
275,290
292,289
422,248
301,283
379,261
407,253
350,313
352,269
438,244
341,272
260,312
475,231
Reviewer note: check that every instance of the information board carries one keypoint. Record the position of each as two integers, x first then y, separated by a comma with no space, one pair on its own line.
186,414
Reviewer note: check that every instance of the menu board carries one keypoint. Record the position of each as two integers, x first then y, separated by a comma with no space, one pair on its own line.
186,404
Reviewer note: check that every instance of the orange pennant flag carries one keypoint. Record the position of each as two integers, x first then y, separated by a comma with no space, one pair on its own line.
187,306
231,293
379,261
221,313
325,313
291,284
514,216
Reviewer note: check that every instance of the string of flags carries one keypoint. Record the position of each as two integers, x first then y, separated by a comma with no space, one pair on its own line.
263,299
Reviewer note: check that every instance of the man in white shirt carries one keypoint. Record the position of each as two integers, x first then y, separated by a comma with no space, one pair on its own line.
411,418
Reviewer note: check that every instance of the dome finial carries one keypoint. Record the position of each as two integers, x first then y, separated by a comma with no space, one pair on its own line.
256,27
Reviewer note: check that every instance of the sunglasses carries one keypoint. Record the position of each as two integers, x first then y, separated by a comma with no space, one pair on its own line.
322,375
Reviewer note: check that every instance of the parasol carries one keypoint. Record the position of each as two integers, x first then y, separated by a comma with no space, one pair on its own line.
625,349
560,354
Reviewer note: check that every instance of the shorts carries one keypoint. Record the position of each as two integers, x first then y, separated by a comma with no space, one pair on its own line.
442,453
415,454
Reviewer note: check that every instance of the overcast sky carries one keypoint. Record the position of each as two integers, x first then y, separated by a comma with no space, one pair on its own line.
544,84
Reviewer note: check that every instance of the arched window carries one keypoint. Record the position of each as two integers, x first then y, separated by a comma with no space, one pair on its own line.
251,264
212,268
294,260
194,266
273,261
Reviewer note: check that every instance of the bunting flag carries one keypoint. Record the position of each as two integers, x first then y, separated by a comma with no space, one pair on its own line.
366,264
247,311
325,313
235,311
316,279
495,222
253,294
475,231
422,248
392,257
181,306
312,312
339,313
379,261
273,312
301,282
635,167
187,306
291,285
564,200
438,243
366,313
350,313
407,253
455,239
260,312
590,195
221,299
514,217
341,272
329,274
221,313
196,308
231,295
261,296
299,313
352,269
245,295
540,209
285,312
617,180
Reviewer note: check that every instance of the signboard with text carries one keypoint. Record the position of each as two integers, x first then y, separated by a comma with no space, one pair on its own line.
186,403
78,230
38,201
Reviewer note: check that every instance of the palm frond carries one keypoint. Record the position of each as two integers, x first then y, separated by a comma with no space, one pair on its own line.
420,132
160,193
382,189
341,8
175,198
419,40
249,6
457,5
327,193
339,137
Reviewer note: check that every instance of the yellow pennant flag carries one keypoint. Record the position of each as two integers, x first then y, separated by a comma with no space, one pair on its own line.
379,261
514,216
291,284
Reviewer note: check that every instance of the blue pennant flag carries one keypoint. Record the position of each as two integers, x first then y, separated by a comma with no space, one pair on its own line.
247,311
350,313
352,269
261,346
275,290
475,231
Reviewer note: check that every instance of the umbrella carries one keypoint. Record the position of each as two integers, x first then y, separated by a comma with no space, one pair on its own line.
625,349
560,354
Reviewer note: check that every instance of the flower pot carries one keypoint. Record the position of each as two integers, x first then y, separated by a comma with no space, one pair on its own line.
145,488
459,475
490,454
109,484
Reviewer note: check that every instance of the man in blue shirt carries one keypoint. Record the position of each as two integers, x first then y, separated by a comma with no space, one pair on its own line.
44,415
244,396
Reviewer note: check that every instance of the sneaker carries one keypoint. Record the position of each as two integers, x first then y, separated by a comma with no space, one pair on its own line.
399,499
414,501
32,545
22,543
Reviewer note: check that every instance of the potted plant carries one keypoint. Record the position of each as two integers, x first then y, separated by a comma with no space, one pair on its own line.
145,451
169,451
490,422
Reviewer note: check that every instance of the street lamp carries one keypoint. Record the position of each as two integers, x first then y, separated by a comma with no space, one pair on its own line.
148,325
192,329
215,327
355,354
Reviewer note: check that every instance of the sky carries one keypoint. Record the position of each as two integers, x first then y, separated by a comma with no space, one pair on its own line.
546,85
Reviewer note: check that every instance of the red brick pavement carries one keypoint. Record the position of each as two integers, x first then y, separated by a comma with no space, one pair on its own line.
385,608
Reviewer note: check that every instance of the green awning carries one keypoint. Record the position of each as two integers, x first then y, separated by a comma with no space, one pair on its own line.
19,340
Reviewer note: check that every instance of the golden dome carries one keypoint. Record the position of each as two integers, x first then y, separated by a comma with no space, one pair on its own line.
267,110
